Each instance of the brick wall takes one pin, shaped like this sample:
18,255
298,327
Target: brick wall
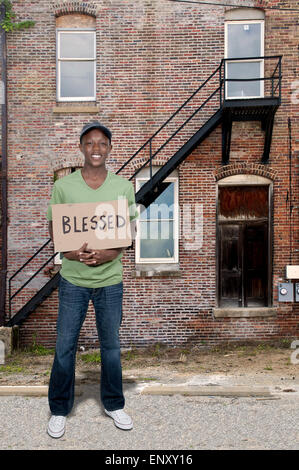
151,56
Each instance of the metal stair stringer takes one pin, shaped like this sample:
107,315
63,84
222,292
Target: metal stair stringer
150,190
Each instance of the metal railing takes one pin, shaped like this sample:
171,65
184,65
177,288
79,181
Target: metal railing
224,79
220,88
149,142
11,297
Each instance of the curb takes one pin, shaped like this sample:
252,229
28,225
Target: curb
237,391
28,390
186,390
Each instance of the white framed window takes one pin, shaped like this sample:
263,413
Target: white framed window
76,65
244,39
157,238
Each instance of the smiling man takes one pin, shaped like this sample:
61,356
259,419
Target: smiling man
88,274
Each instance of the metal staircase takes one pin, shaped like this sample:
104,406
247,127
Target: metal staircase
177,138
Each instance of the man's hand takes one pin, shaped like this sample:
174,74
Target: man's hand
83,254
92,257
102,256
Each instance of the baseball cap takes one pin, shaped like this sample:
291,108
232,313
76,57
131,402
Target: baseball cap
95,125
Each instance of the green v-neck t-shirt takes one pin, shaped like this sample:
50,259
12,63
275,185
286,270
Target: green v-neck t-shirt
73,189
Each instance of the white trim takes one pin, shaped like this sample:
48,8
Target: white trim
261,61
175,219
244,179
243,13
59,61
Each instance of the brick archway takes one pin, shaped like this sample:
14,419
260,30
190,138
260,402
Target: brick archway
73,6
244,168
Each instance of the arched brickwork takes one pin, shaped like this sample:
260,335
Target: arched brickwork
244,168
64,8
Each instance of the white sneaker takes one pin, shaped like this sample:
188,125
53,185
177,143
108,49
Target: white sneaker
121,419
56,426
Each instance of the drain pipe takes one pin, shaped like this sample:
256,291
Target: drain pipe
3,102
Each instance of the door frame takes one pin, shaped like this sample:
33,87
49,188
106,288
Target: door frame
247,180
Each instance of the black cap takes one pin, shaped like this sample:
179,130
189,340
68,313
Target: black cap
95,125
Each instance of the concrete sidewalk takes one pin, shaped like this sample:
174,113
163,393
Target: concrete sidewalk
174,421
262,385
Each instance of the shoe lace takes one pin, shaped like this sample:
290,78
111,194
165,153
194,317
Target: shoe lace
58,420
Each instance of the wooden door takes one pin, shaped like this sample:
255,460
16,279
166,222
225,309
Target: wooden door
255,264
243,246
230,265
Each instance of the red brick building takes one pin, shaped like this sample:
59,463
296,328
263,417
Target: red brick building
210,92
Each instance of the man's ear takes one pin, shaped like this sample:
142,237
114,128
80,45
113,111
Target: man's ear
80,147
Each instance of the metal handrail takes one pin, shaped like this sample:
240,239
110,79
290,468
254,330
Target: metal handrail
27,282
244,59
168,120
251,58
222,81
176,132
30,279
28,261
278,63
248,79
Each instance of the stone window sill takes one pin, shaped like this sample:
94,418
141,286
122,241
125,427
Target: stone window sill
246,312
70,109
157,270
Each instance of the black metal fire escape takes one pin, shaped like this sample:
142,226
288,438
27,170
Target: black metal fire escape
214,108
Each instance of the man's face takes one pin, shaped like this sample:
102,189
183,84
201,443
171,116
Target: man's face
95,148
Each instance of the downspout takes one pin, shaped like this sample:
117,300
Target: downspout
3,102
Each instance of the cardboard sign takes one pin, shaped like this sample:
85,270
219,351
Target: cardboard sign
101,224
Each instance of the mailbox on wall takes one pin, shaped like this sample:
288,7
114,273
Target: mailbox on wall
286,292
297,292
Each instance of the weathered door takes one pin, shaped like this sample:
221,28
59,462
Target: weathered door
243,251
255,264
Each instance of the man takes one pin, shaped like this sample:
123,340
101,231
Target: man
88,274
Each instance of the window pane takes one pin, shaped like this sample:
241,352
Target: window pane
167,197
244,40
163,206
243,70
76,79
243,202
156,240
77,46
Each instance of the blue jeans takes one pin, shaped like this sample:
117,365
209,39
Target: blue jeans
73,305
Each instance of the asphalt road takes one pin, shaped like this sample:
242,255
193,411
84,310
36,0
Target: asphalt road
160,422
